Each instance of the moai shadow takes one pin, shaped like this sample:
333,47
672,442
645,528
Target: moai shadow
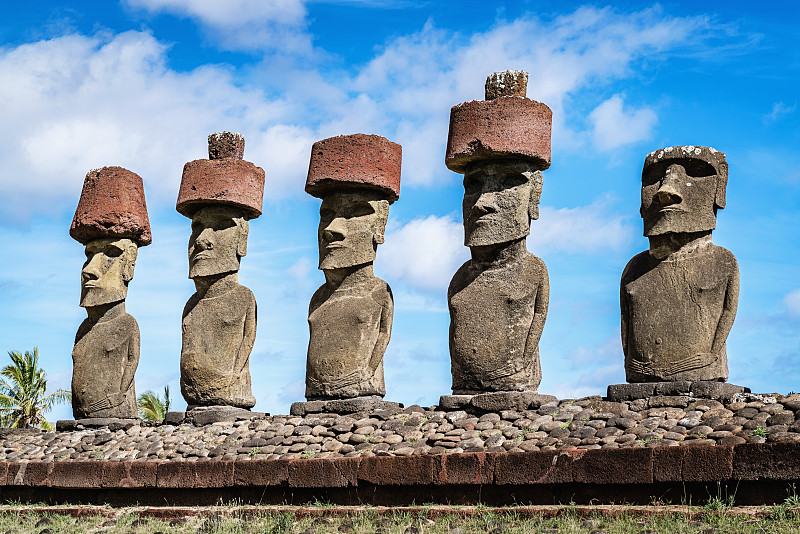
219,194
678,299
350,315
111,221
498,299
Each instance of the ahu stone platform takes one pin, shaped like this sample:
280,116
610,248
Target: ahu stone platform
579,450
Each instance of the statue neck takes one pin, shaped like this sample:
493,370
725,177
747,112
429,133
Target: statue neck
215,285
488,256
105,312
348,276
675,245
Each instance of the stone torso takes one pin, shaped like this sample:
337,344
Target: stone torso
671,313
350,329
102,354
218,335
491,315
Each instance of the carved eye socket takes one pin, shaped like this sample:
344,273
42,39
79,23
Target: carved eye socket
326,214
513,179
472,185
223,224
698,169
113,252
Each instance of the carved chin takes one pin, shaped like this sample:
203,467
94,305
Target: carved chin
91,297
491,234
210,268
345,257
678,222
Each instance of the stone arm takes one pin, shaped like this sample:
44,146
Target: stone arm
539,314
384,332
129,370
248,339
728,310
624,310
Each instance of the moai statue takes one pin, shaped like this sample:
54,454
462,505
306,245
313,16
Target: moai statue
220,195
678,299
111,221
350,315
498,299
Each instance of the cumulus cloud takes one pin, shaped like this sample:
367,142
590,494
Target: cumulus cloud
791,302
424,253
614,126
243,24
78,102
588,229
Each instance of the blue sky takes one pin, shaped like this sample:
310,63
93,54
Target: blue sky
141,83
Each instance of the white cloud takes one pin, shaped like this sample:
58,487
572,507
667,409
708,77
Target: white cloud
778,110
588,229
791,302
77,102
614,126
243,24
424,253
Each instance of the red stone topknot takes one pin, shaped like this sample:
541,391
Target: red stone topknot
224,178
355,161
112,205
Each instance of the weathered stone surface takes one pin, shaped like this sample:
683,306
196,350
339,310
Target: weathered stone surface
206,415
350,316
219,320
509,400
678,299
367,404
505,125
356,161
112,205
454,402
112,423
720,391
174,418
110,220
225,145
498,300
506,83
224,179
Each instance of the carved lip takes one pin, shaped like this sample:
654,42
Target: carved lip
91,284
202,255
334,244
667,209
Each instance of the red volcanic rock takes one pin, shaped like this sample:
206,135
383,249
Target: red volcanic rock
224,179
506,127
355,161
112,205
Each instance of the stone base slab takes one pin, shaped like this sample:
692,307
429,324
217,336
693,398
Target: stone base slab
496,401
720,391
343,406
207,415
112,423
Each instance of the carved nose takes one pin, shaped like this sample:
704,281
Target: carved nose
204,242
669,191
484,205
334,231
91,271
667,195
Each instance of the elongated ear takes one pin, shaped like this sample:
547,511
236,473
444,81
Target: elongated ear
244,229
722,185
381,208
537,180
129,261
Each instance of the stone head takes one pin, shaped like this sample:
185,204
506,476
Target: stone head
218,240
107,271
682,189
501,197
351,226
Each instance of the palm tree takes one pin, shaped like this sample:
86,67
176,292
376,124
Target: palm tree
152,407
23,385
